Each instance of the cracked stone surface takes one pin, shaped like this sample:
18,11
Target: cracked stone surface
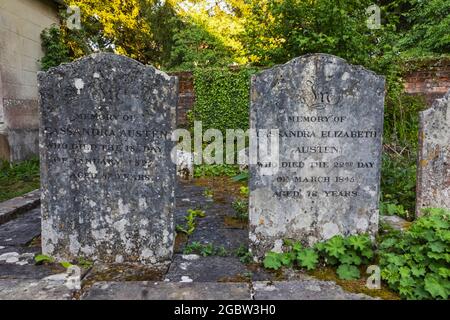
326,180
22,230
106,171
303,290
20,289
168,291
205,269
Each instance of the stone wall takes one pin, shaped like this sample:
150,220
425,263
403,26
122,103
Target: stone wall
430,79
21,23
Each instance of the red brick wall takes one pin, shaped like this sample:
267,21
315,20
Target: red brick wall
186,96
431,80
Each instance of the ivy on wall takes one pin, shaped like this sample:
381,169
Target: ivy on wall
222,98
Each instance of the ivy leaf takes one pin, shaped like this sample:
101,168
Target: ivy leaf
348,272
307,258
272,261
433,285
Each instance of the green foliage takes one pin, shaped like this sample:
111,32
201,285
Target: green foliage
205,250
390,209
208,193
401,125
244,255
19,178
416,263
278,31
194,47
347,254
222,98
85,264
241,209
244,191
307,258
42,258
66,264
55,50
398,185
191,222
348,272
241,177
215,170
424,27
273,261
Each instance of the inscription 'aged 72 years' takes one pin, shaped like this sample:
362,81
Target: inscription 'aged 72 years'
329,117
107,176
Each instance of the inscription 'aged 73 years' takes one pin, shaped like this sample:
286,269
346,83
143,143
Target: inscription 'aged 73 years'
107,176
329,117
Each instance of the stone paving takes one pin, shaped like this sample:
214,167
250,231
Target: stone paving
190,276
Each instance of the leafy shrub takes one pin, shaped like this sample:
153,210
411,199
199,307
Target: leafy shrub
55,50
390,209
244,255
222,98
215,170
244,191
398,185
417,262
427,27
205,250
241,209
19,178
191,221
347,254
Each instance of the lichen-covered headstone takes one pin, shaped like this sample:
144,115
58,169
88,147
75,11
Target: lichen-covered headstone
106,172
326,181
433,169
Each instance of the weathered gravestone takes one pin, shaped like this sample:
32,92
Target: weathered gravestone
326,181
107,175
433,174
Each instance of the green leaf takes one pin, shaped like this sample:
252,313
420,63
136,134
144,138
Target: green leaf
359,242
241,177
297,247
433,284
348,272
350,258
368,253
42,258
418,271
388,243
307,258
272,261
335,246
437,246
287,258
66,264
